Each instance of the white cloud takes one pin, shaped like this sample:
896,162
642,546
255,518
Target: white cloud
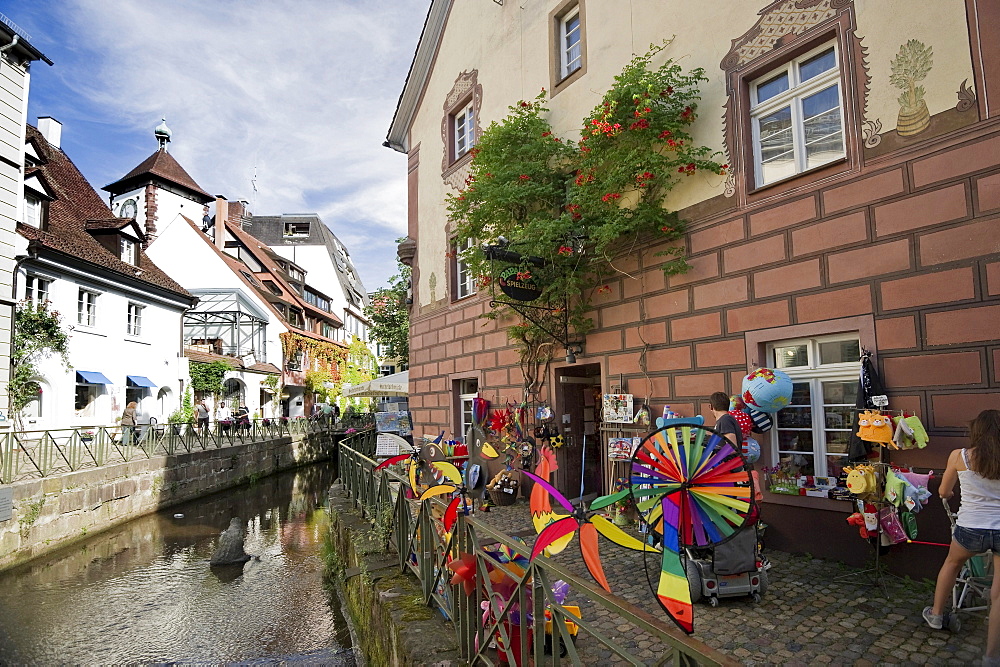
304,91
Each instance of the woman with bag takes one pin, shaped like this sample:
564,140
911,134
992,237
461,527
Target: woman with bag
977,528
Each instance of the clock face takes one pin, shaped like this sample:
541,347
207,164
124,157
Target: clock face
128,209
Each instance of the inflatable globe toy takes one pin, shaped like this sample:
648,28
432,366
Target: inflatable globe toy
767,390
751,450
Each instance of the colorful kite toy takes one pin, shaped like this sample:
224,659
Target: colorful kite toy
694,489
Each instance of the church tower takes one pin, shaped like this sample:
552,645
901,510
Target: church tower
158,190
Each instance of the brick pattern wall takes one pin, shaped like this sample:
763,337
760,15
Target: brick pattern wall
912,240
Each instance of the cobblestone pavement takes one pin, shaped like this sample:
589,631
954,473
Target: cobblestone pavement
814,611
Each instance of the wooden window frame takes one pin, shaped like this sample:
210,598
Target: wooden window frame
558,81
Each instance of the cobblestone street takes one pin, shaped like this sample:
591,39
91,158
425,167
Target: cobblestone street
814,611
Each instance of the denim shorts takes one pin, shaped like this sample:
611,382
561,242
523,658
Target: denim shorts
978,540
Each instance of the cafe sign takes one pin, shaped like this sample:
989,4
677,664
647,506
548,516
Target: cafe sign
515,284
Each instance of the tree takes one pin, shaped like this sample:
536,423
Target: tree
38,333
390,317
567,210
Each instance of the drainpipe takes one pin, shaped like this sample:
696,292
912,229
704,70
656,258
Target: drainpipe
13,43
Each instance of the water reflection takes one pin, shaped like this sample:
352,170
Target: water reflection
144,592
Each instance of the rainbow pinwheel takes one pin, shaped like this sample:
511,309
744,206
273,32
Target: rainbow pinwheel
693,487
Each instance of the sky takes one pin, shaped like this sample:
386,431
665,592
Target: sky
299,92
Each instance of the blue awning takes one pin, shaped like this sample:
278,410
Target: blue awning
139,381
92,377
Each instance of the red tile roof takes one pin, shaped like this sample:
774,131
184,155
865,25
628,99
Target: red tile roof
75,206
162,165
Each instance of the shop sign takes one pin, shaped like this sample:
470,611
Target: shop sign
517,286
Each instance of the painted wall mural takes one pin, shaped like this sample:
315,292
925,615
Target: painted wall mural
911,65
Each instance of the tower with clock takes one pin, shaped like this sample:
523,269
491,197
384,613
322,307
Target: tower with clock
158,190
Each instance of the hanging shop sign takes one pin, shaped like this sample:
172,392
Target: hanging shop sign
518,284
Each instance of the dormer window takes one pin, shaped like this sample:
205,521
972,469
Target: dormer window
128,251
33,211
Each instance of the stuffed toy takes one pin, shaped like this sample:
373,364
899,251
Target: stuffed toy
858,520
873,426
916,479
895,488
903,435
919,434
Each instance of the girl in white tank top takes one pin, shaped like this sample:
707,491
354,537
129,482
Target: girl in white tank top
977,529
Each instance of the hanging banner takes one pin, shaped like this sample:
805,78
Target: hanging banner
518,284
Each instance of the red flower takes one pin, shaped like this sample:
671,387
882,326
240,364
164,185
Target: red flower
665,134
604,289
611,196
565,250
523,275
524,177
545,134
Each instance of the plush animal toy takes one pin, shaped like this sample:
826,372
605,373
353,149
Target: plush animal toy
858,520
873,426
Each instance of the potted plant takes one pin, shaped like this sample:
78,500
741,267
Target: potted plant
86,435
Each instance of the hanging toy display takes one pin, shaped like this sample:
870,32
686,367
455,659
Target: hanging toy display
767,390
873,426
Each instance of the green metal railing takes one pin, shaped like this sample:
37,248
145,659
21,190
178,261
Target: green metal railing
512,619
43,453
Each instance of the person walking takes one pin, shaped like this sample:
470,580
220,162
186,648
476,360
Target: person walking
977,528
202,413
128,423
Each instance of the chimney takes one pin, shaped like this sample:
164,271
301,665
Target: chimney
221,214
51,129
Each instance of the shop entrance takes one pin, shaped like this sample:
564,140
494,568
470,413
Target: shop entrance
578,414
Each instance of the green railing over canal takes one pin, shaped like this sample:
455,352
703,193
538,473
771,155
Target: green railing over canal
43,453
491,614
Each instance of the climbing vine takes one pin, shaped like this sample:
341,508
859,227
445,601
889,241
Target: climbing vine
38,333
568,209
321,355
207,377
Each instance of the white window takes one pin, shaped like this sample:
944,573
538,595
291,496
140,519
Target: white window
465,130
36,289
468,390
86,308
797,117
570,43
465,281
128,250
32,211
134,326
812,434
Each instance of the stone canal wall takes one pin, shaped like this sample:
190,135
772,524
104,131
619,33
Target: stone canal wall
54,511
390,623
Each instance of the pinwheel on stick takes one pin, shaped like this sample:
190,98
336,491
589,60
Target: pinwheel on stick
694,489
555,531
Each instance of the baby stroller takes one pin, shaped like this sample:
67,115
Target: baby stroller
972,586
731,569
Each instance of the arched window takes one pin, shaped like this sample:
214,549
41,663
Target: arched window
233,392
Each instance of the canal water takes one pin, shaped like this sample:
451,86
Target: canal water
144,592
